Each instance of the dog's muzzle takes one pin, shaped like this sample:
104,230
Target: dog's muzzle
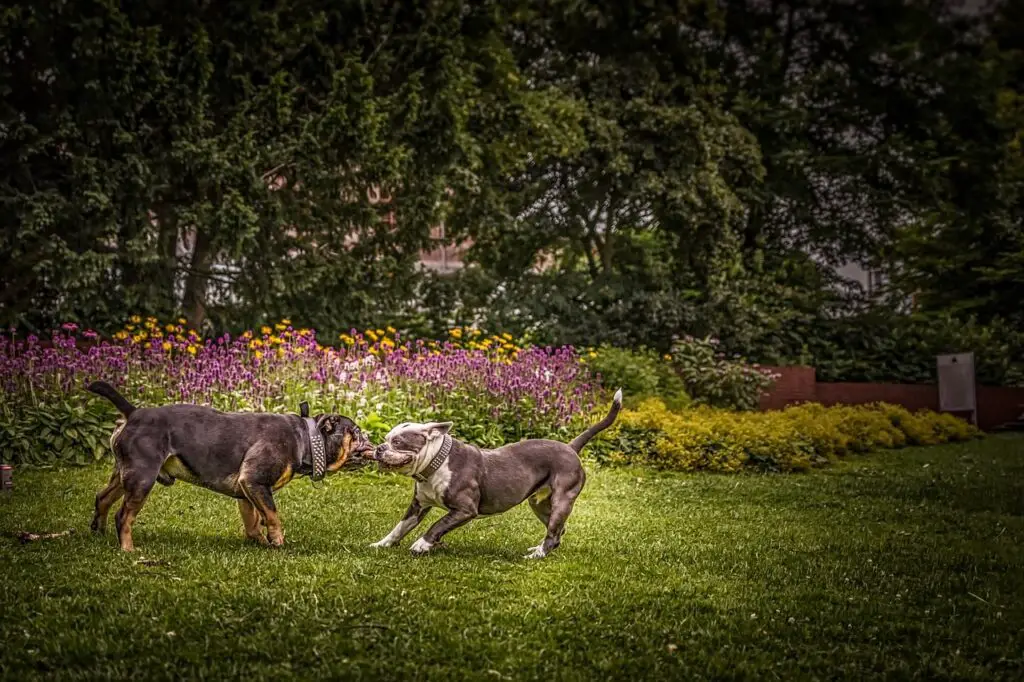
387,458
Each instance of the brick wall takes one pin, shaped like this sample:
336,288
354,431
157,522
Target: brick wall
796,384
911,396
998,405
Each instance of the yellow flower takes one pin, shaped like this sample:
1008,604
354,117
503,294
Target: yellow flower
167,345
392,330
280,327
247,334
457,333
667,356
280,352
135,319
265,330
182,320
169,327
591,354
507,336
286,321
380,332
129,327
191,349
255,343
372,335
259,354
387,342
121,335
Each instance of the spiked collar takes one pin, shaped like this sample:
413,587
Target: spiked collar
437,461
316,448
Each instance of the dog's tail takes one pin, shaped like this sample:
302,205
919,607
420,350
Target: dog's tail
107,391
581,440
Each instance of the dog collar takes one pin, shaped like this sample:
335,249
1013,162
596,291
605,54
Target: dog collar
437,461
316,443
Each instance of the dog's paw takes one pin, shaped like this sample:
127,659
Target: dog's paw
421,547
384,542
536,553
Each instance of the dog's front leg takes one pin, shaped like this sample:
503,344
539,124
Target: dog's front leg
413,516
450,521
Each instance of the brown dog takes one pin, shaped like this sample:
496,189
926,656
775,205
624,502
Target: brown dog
244,455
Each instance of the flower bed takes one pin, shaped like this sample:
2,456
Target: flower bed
493,388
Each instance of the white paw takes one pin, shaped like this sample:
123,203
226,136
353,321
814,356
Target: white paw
384,542
536,553
421,546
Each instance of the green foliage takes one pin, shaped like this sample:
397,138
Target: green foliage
641,374
885,345
65,431
711,378
223,161
794,439
627,172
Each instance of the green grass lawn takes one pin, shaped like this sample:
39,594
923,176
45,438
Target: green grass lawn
904,564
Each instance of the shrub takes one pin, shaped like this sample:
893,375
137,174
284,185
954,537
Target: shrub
793,439
641,374
57,430
710,378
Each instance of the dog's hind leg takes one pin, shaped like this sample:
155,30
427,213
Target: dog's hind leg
559,505
540,505
136,489
251,521
105,499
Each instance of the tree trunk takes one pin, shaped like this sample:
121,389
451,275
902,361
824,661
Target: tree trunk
168,251
194,301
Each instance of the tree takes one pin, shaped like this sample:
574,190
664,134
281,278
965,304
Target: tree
655,182
216,158
964,255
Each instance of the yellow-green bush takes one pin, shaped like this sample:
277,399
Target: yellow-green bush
793,439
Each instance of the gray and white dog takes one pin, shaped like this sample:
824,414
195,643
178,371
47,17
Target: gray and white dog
469,482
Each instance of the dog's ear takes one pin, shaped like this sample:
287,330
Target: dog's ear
438,429
326,422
